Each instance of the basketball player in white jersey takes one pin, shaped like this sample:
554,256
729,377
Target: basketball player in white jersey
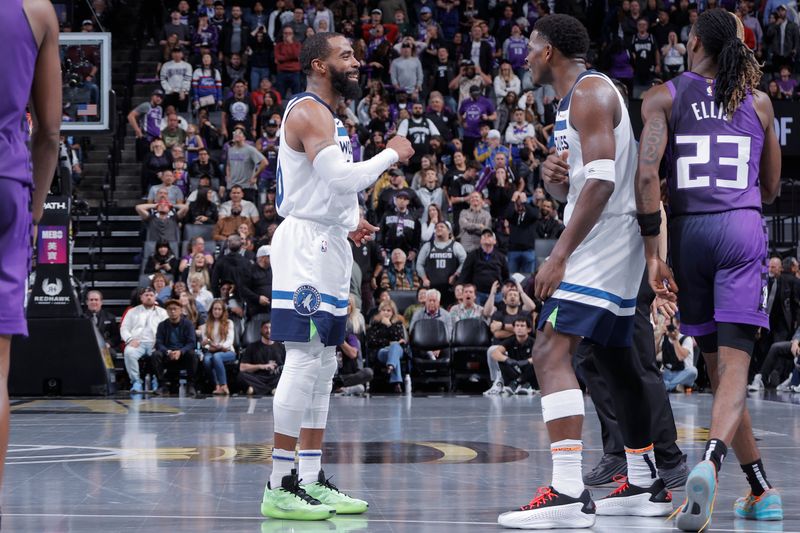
317,186
589,286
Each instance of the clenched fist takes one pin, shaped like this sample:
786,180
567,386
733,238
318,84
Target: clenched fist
402,146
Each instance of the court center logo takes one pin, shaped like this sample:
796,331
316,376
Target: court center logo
52,288
306,300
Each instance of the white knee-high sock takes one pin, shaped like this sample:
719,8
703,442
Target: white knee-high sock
567,477
282,465
641,466
310,465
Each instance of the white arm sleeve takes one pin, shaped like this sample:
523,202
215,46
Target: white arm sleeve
344,177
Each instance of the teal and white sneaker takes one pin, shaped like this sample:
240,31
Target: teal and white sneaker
768,506
327,493
701,491
291,502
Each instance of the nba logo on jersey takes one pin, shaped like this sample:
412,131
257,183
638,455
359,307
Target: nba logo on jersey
306,300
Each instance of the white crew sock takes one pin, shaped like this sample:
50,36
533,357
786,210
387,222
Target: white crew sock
282,465
567,477
641,466
310,465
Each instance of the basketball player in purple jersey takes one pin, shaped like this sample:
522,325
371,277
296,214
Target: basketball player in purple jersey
724,161
31,73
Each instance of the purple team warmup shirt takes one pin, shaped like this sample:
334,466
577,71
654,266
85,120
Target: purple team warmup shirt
473,109
517,51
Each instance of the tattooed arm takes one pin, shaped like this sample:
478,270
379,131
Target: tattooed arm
656,108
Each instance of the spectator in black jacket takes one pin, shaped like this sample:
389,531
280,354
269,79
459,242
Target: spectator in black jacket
483,49
521,217
163,260
203,210
548,226
236,23
230,267
155,161
261,364
783,309
400,228
397,183
103,320
257,290
269,216
204,166
485,266
175,348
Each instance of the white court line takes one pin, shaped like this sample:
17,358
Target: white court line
252,406
664,527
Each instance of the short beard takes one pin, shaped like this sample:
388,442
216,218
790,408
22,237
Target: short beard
350,90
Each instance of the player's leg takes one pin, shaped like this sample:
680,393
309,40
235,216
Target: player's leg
763,502
495,376
739,310
694,242
315,419
565,503
284,498
643,493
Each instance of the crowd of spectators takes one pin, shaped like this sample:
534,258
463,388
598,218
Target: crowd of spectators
463,218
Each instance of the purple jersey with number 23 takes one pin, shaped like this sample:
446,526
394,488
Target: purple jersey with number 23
713,160
718,242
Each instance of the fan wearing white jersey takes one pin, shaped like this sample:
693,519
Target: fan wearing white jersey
588,285
317,193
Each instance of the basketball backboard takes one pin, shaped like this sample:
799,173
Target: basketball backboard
86,82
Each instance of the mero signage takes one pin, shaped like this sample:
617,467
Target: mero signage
52,294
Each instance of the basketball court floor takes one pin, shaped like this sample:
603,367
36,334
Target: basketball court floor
425,463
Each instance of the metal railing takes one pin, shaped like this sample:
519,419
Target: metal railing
783,219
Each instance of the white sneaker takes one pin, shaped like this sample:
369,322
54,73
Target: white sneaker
510,391
795,388
497,388
785,386
353,390
552,510
757,384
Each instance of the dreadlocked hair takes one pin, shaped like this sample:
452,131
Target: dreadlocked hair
738,72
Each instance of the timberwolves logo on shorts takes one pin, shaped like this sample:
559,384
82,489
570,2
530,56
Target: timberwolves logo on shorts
306,300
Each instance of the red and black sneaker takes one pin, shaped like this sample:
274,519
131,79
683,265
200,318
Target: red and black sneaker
630,500
552,510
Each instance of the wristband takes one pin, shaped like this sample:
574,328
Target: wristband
649,224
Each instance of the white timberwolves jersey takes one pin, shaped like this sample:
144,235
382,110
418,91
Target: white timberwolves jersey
302,192
622,200
597,297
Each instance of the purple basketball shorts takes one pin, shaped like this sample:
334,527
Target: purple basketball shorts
720,264
15,255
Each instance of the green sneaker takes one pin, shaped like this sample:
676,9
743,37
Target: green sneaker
326,492
291,502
